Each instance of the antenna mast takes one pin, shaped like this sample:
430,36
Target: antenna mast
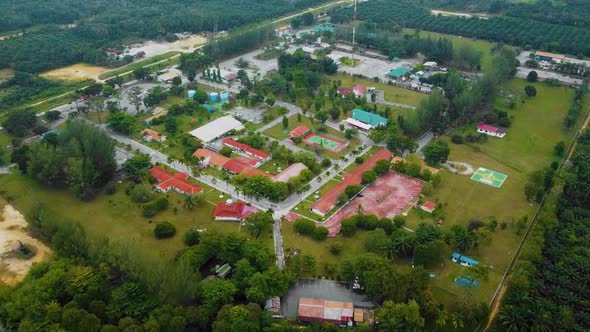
354,32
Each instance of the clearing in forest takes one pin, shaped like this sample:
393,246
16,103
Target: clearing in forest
75,72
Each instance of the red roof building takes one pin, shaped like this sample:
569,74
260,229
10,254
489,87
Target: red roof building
300,131
490,130
428,206
330,198
235,166
344,91
251,171
247,149
358,90
177,182
233,211
318,310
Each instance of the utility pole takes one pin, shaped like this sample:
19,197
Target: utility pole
354,32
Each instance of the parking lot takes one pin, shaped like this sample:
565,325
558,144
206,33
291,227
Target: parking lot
370,67
323,289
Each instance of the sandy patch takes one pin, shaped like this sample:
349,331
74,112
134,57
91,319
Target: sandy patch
13,228
6,73
75,72
152,48
447,13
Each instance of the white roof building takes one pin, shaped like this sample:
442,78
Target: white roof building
358,124
217,128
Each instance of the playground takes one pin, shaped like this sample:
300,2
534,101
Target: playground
387,197
331,144
489,177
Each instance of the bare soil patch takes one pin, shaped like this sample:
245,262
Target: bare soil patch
13,228
75,72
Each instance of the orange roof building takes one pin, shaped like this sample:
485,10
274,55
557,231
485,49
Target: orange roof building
428,206
330,198
211,158
151,135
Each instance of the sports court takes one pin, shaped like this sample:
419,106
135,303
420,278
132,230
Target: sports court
387,197
329,143
489,177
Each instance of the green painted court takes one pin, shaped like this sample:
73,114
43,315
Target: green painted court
326,142
489,177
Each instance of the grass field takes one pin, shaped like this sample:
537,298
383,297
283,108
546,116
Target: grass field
392,93
143,63
115,216
484,46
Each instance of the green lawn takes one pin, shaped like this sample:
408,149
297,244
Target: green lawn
392,93
114,216
321,249
484,46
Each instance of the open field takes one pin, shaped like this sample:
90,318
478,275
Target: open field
484,46
321,249
114,216
6,73
75,72
392,93
153,48
171,57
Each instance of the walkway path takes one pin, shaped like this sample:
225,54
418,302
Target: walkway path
381,100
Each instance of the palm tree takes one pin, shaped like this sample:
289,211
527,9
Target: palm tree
192,201
389,250
404,244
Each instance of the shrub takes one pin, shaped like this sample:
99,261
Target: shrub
226,151
530,91
191,237
457,139
504,122
399,221
336,247
559,149
348,227
532,76
164,230
369,177
326,163
359,160
320,233
152,208
304,226
141,193
352,190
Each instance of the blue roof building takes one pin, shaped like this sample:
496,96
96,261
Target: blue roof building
210,108
463,260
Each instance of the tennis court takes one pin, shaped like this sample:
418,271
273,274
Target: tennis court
489,177
326,142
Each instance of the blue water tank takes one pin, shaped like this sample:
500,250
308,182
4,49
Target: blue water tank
214,96
224,96
191,93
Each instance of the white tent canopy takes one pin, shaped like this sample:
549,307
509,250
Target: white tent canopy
217,128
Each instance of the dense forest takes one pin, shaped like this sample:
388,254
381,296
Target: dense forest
104,24
521,31
549,289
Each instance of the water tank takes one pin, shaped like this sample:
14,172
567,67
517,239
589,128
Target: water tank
191,93
214,96
229,202
224,96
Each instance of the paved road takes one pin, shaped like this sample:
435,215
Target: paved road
423,141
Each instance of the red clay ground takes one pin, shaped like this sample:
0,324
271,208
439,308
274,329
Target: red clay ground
389,196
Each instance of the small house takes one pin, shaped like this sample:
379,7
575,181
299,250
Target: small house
428,206
358,90
343,92
463,260
430,65
150,135
491,130
299,132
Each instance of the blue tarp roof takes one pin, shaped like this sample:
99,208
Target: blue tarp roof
465,259
209,108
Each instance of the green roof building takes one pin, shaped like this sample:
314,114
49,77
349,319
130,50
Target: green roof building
398,72
373,119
